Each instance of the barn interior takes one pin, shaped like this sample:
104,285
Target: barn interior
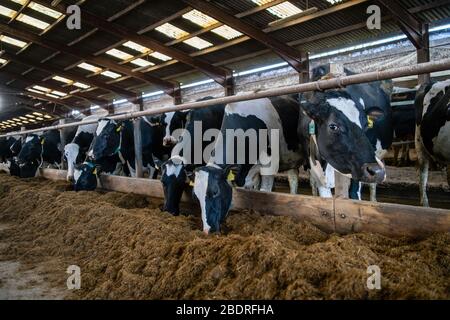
124,55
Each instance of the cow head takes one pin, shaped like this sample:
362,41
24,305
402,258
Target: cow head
24,170
341,140
32,149
72,155
172,121
107,140
85,177
174,179
214,193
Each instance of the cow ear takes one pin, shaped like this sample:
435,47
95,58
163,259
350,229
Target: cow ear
312,110
77,166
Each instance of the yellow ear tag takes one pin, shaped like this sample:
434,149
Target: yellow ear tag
95,171
42,142
231,176
118,129
191,183
370,122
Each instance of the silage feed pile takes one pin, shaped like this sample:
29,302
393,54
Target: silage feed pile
128,249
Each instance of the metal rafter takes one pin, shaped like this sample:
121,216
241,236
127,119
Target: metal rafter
80,95
219,75
71,75
294,57
79,54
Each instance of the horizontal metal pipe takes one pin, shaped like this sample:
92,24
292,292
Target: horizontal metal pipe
339,82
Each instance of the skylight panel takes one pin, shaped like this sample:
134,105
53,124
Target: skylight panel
160,56
7,12
59,93
63,80
334,1
32,21
44,10
111,74
135,46
89,67
37,114
52,96
198,43
227,32
282,10
171,31
30,116
34,91
142,63
199,18
22,2
14,42
119,54
3,61
43,89
81,85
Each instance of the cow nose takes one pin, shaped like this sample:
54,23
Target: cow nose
373,173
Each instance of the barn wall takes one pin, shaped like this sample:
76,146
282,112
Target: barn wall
398,54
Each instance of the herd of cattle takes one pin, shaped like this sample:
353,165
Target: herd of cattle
344,132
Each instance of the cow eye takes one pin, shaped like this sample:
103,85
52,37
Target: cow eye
333,127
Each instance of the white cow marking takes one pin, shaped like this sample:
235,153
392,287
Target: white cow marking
28,139
167,121
200,188
348,108
437,88
101,126
71,152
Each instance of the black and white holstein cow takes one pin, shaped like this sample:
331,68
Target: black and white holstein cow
373,100
338,130
432,130
176,171
43,149
76,151
9,148
171,121
113,147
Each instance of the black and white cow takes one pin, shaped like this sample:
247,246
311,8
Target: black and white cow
6,148
432,130
45,148
179,167
171,121
76,151
374,98
118,138
339,132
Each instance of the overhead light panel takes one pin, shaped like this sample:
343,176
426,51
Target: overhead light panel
119,54
81,85
34,91
59,93
135,46
44,10
89,67
142,63
63,80
282,10
198,43
52,96
14,42
227,32
111,74
32,21
171,31
199,18
43,89
160,56
4,11
3,61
